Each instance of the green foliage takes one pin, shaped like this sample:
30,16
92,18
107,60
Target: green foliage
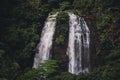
60,39
44,71
2,52
108,72
49,67
53,3
104,22
22,21
19,36
86,4
3,79
67,76
62,27
114,55
65,5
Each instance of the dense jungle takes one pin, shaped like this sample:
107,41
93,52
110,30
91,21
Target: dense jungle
21,24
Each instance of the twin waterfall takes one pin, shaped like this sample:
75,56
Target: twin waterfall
45,44
78,45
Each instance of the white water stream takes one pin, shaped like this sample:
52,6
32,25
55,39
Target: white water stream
78,45
45,44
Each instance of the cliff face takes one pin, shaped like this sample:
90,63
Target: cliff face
60,42
94,41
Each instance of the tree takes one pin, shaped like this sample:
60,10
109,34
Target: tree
47,69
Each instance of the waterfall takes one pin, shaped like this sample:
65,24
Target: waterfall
78,45
45,43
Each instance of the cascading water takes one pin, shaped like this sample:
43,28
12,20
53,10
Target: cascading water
78,45
45,44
